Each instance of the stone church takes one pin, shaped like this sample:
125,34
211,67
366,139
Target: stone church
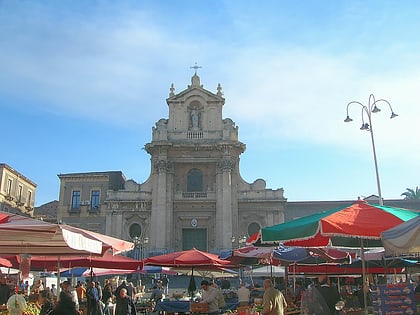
194,196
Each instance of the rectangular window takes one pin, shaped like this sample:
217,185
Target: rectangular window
28,202
9,187
75,199
94,199
20,192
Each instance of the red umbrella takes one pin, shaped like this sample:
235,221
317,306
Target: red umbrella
193,259
107,261
358,225
189,258
5,262
343,227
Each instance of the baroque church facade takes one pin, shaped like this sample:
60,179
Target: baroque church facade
194,196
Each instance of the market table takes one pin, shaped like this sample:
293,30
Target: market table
173,306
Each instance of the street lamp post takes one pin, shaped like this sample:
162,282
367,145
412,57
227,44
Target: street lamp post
139,243
240,240
368,110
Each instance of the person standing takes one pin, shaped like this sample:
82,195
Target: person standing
243,295
92,296
107,296
81,292
65,305
5,291
54,290
67,288
125,304
210,297
46,300
274,302
329,293
165,284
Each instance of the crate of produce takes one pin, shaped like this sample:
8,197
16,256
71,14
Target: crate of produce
199,308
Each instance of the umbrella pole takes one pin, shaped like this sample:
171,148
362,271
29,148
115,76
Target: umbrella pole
365,286
58,277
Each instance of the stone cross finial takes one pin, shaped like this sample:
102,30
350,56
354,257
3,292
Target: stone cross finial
195,67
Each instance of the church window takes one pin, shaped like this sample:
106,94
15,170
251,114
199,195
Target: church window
253,228
134,230
194,180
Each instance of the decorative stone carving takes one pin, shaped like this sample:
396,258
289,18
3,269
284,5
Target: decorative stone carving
219,90
162,166
225,165
172,90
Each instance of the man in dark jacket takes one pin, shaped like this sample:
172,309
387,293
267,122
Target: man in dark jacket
125,304
328,292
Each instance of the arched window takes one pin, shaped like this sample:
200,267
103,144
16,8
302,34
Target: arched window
194,180
134,230
253,228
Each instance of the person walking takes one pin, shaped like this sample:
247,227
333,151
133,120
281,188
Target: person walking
274,302
125,304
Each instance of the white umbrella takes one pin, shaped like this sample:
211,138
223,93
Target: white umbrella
404,238
23,235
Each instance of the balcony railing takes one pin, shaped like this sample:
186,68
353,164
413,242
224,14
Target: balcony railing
195,195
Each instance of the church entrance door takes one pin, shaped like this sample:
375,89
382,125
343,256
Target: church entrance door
194,238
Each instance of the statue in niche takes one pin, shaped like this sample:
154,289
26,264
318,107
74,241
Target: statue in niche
195,116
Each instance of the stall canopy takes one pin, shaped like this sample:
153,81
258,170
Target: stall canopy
283,255
358,225
343,227
24,235
108,261
404,238
192,258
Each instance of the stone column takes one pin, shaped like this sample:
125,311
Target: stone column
159,223
224,203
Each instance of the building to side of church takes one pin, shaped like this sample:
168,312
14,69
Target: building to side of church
17,192
194,196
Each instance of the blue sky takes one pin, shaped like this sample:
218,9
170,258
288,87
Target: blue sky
83,82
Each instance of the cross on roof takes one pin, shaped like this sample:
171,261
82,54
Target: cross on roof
195,67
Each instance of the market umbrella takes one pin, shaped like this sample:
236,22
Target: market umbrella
24,235
284,255
5,262
189,258
193,259
107,261
404,238
358,225
341,227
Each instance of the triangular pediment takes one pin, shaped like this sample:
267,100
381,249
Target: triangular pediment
195,89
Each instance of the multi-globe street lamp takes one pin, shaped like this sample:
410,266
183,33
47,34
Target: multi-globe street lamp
139,244
368,110
240,240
